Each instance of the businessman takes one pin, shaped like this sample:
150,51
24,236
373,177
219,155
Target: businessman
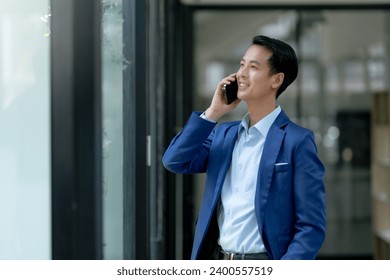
264,196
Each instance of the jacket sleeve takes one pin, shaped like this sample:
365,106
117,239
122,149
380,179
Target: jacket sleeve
309,201
189,149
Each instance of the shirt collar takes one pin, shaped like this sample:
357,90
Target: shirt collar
263,125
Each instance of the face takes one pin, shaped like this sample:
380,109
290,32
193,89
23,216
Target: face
254,78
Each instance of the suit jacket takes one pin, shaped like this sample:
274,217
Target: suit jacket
290,193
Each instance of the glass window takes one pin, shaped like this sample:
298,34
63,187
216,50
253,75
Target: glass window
25,130
112,67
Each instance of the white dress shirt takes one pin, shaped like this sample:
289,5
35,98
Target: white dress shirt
237,222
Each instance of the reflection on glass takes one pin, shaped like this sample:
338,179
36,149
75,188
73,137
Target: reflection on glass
112,65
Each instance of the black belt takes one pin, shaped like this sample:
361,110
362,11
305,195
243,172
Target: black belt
237,256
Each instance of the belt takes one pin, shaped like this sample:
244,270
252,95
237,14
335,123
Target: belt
238,256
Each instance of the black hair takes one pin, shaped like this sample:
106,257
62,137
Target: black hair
283,59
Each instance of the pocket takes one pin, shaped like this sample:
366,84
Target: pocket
280,167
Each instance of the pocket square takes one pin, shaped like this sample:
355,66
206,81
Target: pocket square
281,163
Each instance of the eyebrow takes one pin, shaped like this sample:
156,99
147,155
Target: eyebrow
252,61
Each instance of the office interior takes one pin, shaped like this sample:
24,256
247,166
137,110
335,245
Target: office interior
92,92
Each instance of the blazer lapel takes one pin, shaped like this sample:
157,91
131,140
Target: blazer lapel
271,150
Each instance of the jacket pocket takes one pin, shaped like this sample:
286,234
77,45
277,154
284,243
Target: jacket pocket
282,166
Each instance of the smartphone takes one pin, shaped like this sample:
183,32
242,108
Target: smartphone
230,92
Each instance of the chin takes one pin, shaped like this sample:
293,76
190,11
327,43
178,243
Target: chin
241,96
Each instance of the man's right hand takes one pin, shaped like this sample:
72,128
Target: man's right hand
218,107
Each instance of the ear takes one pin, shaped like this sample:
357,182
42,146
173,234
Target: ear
277,80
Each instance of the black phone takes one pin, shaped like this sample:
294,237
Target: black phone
230,92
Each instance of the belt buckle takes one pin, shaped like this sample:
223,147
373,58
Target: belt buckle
231,256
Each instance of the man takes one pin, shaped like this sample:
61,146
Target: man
264,196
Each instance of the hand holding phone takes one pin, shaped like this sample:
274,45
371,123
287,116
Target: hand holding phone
230,92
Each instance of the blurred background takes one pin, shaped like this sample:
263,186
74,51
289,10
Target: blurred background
91,94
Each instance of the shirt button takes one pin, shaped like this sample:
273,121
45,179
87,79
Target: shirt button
240,166
236,190
228,212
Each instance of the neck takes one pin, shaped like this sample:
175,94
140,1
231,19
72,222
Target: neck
259,110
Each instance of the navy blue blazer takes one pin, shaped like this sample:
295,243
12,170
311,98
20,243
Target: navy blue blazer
290,193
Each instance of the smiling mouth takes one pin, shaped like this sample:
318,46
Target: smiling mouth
243,85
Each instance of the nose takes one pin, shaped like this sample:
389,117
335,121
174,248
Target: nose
242,72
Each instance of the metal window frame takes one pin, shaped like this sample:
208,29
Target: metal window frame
76,138
135,186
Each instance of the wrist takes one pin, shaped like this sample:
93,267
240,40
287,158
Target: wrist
212,115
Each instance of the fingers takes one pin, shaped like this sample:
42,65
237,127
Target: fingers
229,79
226,81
